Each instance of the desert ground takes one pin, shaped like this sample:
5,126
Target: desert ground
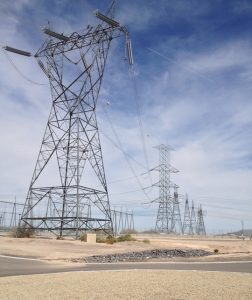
130,284
66,250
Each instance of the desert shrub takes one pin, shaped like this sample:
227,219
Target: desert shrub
110,240
83,238
125,238
23,232
129,231
146,241
216,251
13,233
100,240
150,231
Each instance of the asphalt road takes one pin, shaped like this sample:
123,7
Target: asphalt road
10,266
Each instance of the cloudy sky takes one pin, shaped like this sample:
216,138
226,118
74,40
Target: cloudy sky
192,90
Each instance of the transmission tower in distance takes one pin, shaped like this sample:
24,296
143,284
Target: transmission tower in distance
176,226
200,223
165,200
187,218
193,221
71,150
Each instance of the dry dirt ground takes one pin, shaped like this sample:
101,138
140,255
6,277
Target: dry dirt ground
128,285
53,249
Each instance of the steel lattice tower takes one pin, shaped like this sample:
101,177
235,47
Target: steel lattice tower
165,200
187,218
193,221
200,228
176,225
74,65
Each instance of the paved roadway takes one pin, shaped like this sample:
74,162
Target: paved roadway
10,266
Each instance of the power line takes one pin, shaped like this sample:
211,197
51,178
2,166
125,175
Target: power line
140,121
19,72
119,145
120,148
128,192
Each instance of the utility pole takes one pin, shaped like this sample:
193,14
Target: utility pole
74,65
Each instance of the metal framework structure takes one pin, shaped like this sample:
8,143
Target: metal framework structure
176,224
193,221
166,199
187,218
57,199
123,221
200,228
10,213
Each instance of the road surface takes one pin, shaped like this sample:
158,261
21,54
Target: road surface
11,266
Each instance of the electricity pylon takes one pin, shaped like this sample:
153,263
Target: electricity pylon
200,229
187,218
193,221
176,225
74,65
165,200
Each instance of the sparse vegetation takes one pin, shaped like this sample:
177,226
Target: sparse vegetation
150,231
146,241
216,251
23,232
111,240
128,231
125,238
106,240
83,238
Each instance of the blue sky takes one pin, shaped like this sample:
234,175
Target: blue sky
193,73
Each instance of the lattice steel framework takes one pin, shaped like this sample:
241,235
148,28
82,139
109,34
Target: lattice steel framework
165,200
193,221
200,228
187,218
74,65
176,224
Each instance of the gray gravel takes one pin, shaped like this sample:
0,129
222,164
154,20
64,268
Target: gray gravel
146,255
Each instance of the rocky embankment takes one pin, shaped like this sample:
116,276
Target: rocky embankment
146,255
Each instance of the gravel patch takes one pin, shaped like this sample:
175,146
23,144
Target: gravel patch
128,285
146,255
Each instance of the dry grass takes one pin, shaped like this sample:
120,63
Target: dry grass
129,285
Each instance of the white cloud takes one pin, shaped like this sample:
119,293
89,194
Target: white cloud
207,121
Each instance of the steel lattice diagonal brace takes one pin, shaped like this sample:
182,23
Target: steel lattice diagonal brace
60,198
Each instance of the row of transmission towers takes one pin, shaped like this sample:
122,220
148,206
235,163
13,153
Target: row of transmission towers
169,217
193,222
